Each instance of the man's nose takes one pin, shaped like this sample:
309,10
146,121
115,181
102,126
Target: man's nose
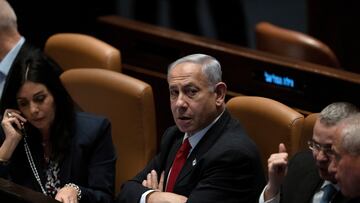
181,100
332,166
322,156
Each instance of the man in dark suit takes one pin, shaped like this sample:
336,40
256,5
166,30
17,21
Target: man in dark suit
223,164
345,159
307,178
11,43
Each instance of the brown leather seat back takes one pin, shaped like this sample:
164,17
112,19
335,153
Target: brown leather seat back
71,50
129,104
285,42
268,123
307,132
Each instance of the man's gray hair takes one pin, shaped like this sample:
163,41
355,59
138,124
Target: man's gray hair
8,18
335,112
210,66
350,131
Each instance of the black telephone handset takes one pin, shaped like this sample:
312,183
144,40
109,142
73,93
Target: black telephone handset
22,130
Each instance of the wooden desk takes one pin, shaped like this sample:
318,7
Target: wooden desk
147,50
13,193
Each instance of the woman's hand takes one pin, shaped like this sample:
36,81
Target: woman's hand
67,194
11,123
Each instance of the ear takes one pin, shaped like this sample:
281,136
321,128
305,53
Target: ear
220,91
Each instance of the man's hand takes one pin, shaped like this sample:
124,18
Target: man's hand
159,196
152,181
277,168
165,197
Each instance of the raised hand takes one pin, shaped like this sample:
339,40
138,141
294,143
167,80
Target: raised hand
277,168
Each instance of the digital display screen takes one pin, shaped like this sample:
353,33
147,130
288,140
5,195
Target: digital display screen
278,79
281,80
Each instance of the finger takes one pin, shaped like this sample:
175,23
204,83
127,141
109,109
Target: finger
161,182
144,183
278,166
154,179
17,114
11,112
16,122
59,198
282,148
148,179
278,157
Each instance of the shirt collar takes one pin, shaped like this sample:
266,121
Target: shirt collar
326,182
9,58
195,138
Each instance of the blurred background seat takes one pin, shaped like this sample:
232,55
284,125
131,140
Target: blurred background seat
308,128
129,104
285,42
71,50
268,123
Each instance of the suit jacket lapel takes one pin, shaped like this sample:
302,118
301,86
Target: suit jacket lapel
65,167
204,145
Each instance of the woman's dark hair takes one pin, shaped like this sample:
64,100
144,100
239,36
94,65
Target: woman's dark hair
33,65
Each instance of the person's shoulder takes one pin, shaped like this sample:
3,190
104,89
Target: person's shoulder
90,122
303,156
85,116
303,161
234,140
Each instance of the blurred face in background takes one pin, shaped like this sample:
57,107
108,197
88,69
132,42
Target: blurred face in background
323,137
346,167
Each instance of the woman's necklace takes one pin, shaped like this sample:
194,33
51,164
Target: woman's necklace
46,151
32,165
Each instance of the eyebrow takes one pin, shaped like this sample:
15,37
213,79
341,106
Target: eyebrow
323,145
36,94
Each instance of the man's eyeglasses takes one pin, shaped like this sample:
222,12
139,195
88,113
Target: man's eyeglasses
316,147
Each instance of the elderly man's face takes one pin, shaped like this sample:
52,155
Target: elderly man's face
346,168
323,136
193,104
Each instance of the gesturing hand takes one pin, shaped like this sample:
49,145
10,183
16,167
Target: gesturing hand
277,168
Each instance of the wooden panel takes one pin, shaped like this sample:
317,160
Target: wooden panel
11,192
305,86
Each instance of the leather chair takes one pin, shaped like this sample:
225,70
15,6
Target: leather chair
71,50
289,43
268,123
308,128
128,103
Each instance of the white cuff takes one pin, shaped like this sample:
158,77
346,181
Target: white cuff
275,199
143,196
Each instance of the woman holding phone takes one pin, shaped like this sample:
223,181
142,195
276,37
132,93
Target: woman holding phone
48,146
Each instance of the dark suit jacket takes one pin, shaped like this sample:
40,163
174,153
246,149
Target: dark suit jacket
90,163
227,169
303,180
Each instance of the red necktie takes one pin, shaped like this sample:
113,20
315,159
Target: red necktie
178,163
